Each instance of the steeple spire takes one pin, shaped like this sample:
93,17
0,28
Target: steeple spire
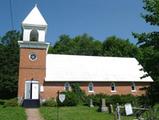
34,18
34,26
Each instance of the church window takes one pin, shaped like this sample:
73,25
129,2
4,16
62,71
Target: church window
113,87
66,86
133,87
90,87
34,35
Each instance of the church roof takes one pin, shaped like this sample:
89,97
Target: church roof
34,18
93,68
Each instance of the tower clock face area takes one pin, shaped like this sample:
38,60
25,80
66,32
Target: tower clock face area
33,56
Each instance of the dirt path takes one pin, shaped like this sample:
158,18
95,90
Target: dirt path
33,114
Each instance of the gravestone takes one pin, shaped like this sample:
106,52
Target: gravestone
111,108
104,108
91,103
128,109
118,111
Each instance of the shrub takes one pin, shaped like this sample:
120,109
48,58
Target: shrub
11,103
2,102
152,113
81,96
49,103
70,100
96,98
113,99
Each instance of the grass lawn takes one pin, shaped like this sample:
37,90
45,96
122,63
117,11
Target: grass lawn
76,113
12,113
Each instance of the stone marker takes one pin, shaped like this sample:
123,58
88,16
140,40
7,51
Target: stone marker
118,111
91,103
111,108
104,108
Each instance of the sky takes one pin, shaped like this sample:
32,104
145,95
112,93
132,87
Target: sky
98,18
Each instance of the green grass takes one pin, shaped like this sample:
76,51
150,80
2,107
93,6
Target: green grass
76,113
12,113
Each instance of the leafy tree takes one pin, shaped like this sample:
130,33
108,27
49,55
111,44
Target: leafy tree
9,62
118,47
63,46
79,45
149,44
150,41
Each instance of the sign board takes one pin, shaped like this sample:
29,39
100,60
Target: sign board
41,88
62,97
128,109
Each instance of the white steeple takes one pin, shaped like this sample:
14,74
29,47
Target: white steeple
34,18
34,26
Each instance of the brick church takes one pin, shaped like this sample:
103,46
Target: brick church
41,74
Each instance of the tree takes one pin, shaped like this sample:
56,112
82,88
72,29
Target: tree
79,45
150,41
118,47
149,44
9,62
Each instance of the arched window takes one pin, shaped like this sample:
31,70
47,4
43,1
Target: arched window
90,87
113,87
34,35
67,86
133,87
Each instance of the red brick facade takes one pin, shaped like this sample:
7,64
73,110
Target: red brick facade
51,88
31,70
35,70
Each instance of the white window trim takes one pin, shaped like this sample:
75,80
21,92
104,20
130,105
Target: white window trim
92,87
114,87
133,84
66,83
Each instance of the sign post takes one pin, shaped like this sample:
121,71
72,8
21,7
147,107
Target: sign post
61,97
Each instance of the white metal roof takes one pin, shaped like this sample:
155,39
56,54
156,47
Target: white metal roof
93,68
34,18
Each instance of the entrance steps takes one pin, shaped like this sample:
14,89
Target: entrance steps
30,103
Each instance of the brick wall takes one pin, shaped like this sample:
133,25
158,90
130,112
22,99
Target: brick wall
51,88
36,70
31,69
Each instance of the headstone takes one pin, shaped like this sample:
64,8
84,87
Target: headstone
118,111
91,103
128,109
111,108
104,108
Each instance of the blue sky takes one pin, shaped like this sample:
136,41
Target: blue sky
99,18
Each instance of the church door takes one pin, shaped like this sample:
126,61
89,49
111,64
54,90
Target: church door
31,90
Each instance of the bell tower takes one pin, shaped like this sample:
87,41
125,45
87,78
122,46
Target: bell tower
33,51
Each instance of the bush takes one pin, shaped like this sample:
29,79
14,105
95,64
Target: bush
70,100
81,96
50,103
2,102
113,99
11,103
96,99
152,113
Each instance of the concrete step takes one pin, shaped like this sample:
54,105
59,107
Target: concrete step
30,103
